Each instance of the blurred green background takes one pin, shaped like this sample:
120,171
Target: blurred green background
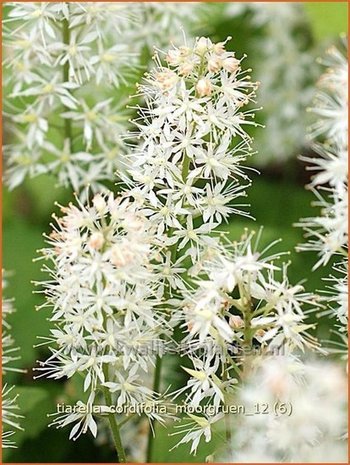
277,197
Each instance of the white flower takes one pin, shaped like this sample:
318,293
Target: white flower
81,415
331,167
48,90
314,391
171,273
186,140
195,429
247,287
216,203
97,121
112,64
58,53
192,132
8,401
327,233
9,417
129,391
339,293
35,123
192,235
203,383
77,54
331,101
105,293
285,66
39,16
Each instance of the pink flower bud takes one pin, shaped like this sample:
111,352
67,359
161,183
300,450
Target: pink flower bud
236,322
203,45
214,64
99,202
186,68
231,64
96,240
204,87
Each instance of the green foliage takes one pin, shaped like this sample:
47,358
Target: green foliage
167,438
327,19
22,240
32,401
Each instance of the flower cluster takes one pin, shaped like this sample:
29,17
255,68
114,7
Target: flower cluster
61,114
165,22
309,422
193,134
104,292
245,296
337,294
10,418
285,66
243,304
128,271
187,169
115,263
327,233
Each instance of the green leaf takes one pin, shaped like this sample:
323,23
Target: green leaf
21,241
34,404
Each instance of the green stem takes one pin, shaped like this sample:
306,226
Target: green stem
114,428
185,167
156,386
67,121
158,368
227,417
247,330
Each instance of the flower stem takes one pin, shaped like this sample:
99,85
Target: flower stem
185,168
67,121
227,417
156,386
115,429
158,367
248,333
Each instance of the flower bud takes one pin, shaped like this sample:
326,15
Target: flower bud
214,64
121,255
186,68
204,87
166,79
202,46
219,48
96,240
185,51
260,332
231,64
190,326
99,203
236,322
173,57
